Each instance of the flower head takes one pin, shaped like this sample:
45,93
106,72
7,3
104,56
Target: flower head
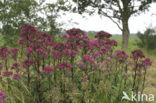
27,63
2,94
120,55
14,52
15,65
29,50
16,76
88,58
147,62
4,51
136,54
64,65
2,97
7,73
102,35
75,31
48,70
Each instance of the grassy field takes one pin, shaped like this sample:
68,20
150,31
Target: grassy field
151,75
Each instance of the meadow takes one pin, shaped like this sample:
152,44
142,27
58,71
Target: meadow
151,74
74,69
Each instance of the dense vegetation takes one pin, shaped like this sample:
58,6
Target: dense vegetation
147,39
71,68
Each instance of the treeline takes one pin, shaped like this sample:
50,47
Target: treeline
14,13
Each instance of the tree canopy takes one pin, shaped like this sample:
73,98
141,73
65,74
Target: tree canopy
119,11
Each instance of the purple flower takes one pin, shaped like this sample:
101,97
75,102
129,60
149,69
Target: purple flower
2,94
1,66
102,35
75,31
103,65
14,52
147,62
2,97
136,54
42,51
4,51
112,42
64,65
15,66
94,42
57,55
81,64
28,31
7,73
27,63
46,39
16,76
121,56
65,36
68,52
48,70
88,58
29,50
21,42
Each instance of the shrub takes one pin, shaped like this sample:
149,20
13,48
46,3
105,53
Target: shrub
74,69
147,39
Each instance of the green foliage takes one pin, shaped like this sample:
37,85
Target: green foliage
147,39
14,13
118,11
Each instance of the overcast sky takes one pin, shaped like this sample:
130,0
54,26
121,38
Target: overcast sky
96,23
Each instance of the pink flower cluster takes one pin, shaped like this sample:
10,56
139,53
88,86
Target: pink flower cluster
88,58
14,52
48,70
4,51
15,66
27,63
64,65
136,54
2,97
28,33
147,62
75,31
7,73
102,35
121,56
16,76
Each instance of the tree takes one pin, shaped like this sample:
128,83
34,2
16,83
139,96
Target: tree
14,13
119,11
52,13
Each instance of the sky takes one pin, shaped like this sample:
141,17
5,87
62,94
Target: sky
97,23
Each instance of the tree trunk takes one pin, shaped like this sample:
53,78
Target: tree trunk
125,34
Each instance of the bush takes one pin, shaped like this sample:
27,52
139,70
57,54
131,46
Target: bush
147,39
73,69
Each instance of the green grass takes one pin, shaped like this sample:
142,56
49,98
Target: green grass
1,40
151,74
132,44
